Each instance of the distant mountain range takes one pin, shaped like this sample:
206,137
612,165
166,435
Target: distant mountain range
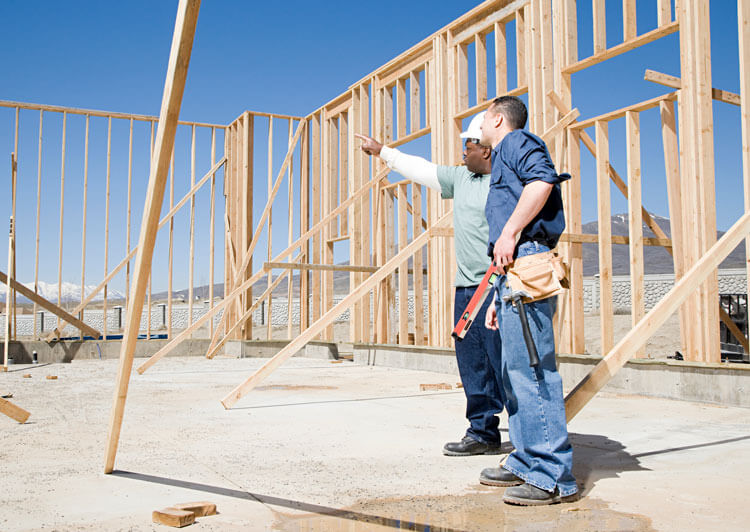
657,260
70,292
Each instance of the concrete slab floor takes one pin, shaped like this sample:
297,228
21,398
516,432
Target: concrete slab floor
322,446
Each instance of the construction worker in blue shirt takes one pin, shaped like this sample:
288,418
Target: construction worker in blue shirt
525,215
467,185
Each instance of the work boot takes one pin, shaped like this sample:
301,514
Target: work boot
469,446
528,495
498,476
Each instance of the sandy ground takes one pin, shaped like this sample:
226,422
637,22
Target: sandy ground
323,446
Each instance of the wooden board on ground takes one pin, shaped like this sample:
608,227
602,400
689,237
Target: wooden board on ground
13,411
200,509
173,517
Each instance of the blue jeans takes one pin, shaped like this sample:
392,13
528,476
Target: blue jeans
475,355
534,396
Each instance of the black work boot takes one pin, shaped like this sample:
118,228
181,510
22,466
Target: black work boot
528,495
498,476
469,446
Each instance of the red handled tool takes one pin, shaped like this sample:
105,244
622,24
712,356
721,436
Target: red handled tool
467,318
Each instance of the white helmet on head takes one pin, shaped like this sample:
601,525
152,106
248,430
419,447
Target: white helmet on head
474,130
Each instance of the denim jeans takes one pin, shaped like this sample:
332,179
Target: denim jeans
543,456
475,355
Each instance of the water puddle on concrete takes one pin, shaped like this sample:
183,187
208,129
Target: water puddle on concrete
290,387
475,512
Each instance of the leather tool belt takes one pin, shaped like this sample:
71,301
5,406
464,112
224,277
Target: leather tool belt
540,275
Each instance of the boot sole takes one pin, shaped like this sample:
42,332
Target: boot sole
532,502
459,453
501,483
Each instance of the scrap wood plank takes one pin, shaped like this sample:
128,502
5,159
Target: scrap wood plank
655,318
13,411
54,309
200,509
173,517
311,332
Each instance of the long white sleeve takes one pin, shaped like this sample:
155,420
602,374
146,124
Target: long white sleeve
411,167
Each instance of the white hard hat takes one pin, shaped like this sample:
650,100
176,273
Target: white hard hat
474,131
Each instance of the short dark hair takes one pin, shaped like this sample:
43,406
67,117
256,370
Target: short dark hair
512,108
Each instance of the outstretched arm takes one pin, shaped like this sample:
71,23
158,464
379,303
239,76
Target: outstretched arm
411,167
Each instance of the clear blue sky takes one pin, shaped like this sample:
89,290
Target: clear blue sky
287,58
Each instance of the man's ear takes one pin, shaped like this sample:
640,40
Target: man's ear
487,152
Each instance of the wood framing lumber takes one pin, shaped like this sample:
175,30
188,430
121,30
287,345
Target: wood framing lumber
303,239
502,15
200,509
51,307
8,286
676,83
387,269
14,412
173,517
619,113
609,53
655,318
184,334
164,221
213,349
561,124
321,267
614,176
179,60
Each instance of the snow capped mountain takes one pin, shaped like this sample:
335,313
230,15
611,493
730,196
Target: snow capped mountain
70,292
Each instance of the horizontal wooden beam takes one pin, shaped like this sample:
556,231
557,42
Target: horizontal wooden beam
411,136
676,83
12,411
619,113
48,305
487,22
340,238
319,267
646,38
95,112
518,91
587,238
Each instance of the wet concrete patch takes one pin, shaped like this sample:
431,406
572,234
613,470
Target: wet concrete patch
479,511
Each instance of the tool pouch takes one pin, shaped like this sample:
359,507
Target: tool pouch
540,275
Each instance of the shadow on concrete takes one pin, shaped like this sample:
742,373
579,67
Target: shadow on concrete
597,457
355,400
286,503
689,447
33,366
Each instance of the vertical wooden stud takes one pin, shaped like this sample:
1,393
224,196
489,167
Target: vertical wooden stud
629,26
84,208
521,49
600,25
269,255
501,59
62,205
635,220
403,273
212,231
106,226
191,263
605,237
38,218
480,60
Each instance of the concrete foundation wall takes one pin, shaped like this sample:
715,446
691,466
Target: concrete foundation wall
726,384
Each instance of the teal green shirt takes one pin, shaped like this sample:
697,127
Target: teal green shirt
469,193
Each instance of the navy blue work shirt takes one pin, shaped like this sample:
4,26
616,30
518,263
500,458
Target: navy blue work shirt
519,159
